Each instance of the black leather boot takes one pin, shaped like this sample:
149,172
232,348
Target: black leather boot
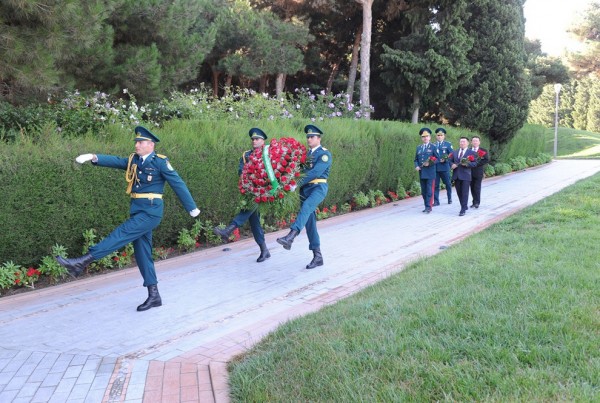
264,253
153,299
76,265
317,259
224,233
287,240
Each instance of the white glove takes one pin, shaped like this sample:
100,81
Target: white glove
84,158
293,188
195,212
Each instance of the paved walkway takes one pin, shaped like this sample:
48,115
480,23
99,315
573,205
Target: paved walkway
84,341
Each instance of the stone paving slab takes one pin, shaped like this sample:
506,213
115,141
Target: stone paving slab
84,340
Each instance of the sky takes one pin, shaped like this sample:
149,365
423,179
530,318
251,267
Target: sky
548,21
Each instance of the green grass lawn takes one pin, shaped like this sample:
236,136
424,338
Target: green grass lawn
509,314
574,143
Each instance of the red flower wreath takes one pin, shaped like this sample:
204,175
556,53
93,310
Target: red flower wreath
258,185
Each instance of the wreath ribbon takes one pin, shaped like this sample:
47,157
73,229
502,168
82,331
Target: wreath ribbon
269,169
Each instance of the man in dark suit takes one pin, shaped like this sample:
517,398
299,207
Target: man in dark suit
442,168
462,161
478,173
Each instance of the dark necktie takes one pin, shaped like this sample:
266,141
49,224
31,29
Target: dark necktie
460,154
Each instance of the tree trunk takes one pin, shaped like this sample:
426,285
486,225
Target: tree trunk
215,80
332,76
228,80
415,113
365,56
279,85
353,65
262,84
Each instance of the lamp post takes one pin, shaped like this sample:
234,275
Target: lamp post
557,88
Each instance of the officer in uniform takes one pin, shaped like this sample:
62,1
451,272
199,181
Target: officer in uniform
313,189
426,167
146,173
258,138
442,168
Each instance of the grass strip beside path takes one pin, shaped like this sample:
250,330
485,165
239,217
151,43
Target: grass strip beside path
509,314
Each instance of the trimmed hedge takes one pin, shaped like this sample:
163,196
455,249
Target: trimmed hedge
48,199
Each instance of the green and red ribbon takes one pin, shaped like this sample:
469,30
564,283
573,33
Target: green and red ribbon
269,169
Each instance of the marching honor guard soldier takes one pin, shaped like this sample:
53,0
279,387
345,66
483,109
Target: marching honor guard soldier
442,168
426,158
258,138
146,173
313,189
478,172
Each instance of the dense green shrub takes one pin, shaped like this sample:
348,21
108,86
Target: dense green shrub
529,141
518,163
544,158
502,168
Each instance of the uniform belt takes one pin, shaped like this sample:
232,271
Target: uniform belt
318,181
146,196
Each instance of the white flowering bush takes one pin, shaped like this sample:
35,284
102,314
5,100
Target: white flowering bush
322,106
76,113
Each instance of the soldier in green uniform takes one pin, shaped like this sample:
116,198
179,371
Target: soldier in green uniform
426,158
258,138
146,173
313,189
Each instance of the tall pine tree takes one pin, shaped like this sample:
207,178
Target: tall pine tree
496,100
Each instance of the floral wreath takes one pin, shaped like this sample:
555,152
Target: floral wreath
270,175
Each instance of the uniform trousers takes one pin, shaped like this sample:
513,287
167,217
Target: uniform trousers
137,229
253,216
311,196
427,192
442,176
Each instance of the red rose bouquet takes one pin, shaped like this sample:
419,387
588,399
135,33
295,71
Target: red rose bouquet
270,175
465,160
480,154
430,161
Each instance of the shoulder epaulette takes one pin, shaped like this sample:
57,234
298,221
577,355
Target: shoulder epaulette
324,149
164,157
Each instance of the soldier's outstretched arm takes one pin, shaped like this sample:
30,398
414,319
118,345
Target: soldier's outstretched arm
83,158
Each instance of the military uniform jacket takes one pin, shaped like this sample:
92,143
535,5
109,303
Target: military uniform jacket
443,148
150,178
317,166
478,171
424,151
244,160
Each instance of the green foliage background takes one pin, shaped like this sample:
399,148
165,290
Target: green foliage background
49,199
